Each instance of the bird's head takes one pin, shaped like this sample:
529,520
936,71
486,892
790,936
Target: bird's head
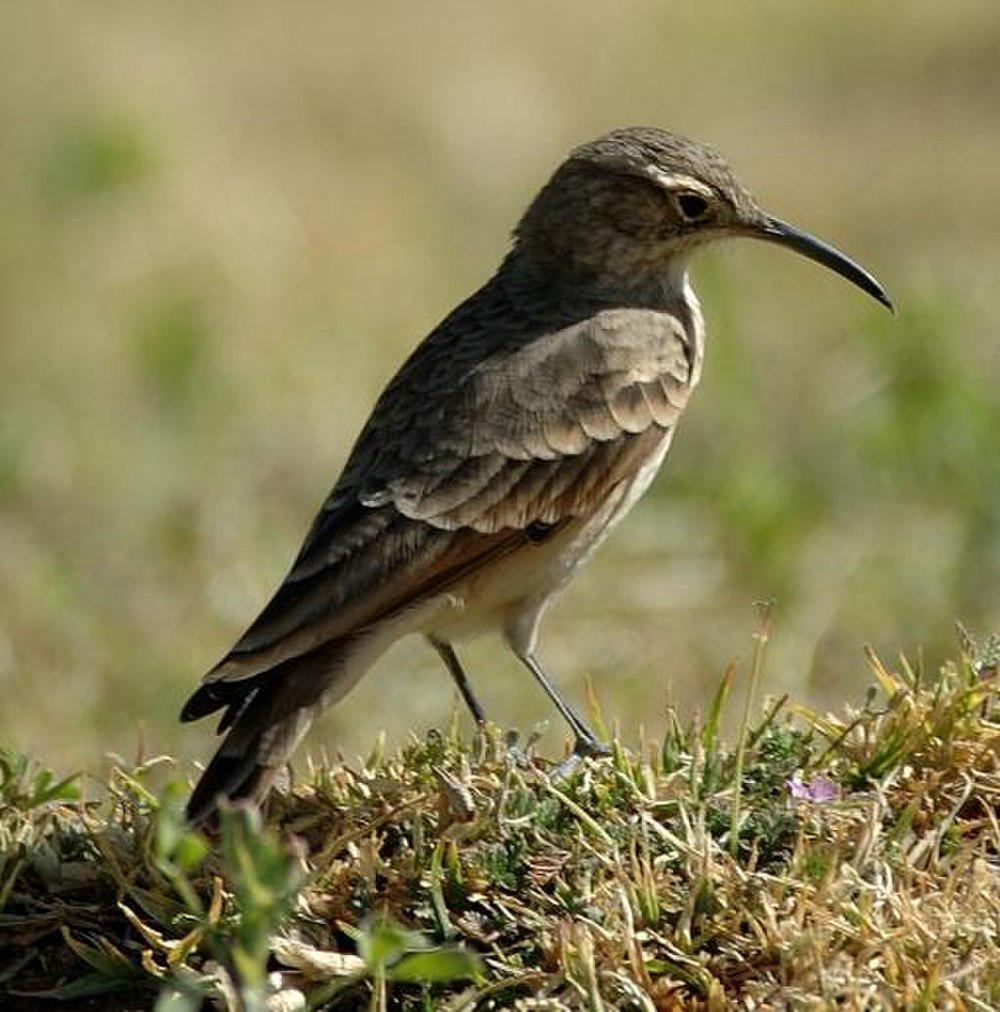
636,202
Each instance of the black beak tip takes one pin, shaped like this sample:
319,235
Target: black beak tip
867,283
887,302
877,292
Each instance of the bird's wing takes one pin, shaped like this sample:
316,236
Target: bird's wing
480,438
529,435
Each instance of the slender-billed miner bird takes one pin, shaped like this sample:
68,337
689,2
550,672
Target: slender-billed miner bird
512,440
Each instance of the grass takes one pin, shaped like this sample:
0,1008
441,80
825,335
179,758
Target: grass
847,860
213,256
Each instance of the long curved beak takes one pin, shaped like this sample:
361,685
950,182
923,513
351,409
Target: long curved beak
780,232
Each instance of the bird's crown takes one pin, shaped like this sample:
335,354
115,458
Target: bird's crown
667,159
619,207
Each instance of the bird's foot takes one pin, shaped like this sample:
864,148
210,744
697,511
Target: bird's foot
591,747
585,748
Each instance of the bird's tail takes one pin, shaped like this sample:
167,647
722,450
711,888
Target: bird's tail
257,746
232,778
266,717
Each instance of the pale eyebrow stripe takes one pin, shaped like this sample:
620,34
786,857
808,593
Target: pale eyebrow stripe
680,182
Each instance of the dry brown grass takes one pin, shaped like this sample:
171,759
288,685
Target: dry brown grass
864,873
223,227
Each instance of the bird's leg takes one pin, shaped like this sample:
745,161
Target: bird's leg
454,666
587,743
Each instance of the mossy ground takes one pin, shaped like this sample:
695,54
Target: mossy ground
856,866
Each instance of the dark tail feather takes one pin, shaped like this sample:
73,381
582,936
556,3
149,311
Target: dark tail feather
255,749
214,696
266,717
228,778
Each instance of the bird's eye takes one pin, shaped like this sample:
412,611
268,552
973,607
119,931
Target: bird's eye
691,206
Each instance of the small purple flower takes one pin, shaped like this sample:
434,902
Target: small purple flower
818,790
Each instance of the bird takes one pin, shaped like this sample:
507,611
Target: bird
513,439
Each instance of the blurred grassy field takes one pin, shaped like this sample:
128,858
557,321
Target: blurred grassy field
222,227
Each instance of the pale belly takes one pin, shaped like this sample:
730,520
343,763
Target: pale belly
510,595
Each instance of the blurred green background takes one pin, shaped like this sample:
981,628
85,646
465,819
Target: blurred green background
223,226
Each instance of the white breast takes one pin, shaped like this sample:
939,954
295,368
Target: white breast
510,595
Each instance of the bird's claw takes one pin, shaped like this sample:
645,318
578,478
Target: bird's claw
585,748
591,748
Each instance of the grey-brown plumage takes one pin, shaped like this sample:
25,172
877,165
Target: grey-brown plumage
503,450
